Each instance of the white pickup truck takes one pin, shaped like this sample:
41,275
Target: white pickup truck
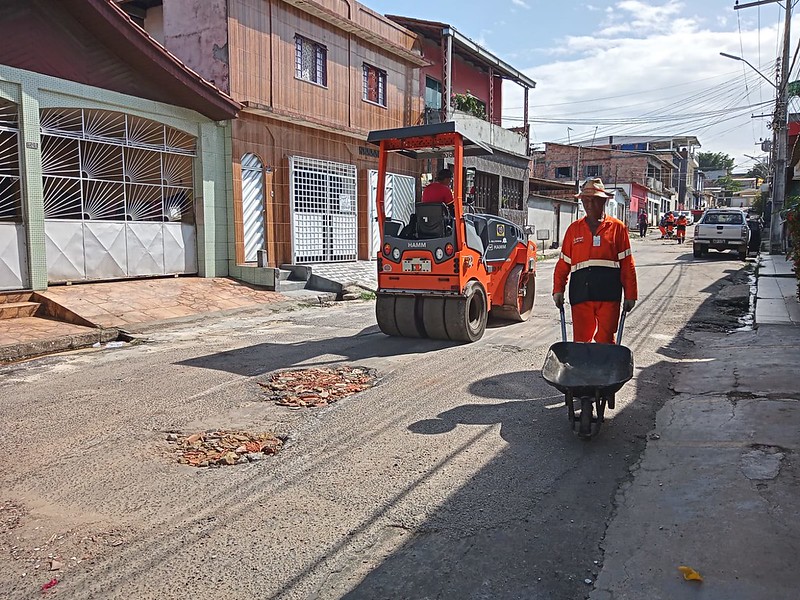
721,229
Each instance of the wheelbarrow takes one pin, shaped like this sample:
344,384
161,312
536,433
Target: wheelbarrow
590,374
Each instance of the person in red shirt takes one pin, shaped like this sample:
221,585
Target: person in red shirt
439,190
596,258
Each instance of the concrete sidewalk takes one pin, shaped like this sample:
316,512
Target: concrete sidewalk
717,486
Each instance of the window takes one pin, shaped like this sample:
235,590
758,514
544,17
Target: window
594,171
374,85
563,172
433,93
512,194
310,61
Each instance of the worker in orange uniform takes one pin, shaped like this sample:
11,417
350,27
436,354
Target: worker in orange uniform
596,258
680,226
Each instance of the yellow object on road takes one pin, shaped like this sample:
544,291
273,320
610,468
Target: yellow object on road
689,574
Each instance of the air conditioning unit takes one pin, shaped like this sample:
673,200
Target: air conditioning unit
651,183
659,186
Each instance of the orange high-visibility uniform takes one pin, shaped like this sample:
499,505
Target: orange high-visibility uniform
599,269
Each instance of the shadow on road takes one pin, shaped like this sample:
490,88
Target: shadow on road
263,358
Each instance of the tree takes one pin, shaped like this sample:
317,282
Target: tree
714,161
759,171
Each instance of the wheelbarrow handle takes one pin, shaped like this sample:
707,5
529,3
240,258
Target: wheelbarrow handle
621,327
563,324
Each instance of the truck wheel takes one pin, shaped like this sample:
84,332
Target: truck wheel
465,317
384,313
743,253
409,322
433,317
697,252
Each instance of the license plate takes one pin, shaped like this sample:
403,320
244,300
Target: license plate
718,241
416,265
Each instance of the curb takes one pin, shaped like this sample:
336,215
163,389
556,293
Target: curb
25,350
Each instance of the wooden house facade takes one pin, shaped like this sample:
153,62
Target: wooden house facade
314,77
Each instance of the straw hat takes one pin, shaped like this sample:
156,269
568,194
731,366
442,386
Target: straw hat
594,188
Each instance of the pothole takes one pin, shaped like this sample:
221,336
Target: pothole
761,462
219,448
317,387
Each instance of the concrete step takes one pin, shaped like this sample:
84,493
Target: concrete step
13,310
7,297
284,274
290,285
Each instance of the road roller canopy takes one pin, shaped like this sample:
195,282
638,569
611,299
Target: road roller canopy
432,141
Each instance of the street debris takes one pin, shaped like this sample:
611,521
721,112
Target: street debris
301,388
50,584
217,448
11,514
689,574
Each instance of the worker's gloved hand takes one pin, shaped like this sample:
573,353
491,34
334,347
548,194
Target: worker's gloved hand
558,299
628,305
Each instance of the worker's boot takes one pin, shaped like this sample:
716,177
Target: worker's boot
610,400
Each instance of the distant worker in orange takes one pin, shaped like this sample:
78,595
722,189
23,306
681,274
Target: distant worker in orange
596,258
680,226
439,190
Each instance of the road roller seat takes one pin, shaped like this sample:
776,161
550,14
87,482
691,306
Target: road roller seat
433,220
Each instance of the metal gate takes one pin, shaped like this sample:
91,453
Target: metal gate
13,249
399,203
324,201
118,196
252,206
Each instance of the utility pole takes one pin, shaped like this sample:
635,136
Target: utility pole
779,131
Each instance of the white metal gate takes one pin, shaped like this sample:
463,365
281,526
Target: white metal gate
13,249
399,199
252,206
118,196
324,211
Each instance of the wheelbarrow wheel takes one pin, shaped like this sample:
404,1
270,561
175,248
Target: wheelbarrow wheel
585,423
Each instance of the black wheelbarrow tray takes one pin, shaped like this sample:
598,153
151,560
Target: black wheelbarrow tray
591,372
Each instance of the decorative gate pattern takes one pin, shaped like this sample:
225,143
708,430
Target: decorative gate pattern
13,252
252,206
118,196
399,203
324,217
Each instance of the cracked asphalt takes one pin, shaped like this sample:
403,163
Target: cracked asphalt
457,476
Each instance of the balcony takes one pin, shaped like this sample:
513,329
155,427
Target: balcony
493,135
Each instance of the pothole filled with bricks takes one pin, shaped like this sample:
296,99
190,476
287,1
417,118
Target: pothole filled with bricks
296,389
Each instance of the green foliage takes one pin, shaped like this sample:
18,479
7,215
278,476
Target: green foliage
469,104
792,215
759,171
712,161
758,204
794,88
729,184
368,295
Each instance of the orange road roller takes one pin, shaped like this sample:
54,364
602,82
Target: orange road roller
444,269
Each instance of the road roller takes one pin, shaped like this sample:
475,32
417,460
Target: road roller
444,269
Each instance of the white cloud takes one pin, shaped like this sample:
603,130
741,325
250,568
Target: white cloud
520,3
664,70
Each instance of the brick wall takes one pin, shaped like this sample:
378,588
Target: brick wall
614,166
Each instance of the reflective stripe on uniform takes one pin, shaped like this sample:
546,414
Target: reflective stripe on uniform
625,253
566,258
595,263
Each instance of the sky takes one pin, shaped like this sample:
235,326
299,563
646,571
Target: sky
630,67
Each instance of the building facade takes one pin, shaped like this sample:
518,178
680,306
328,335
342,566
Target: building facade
111,151
314,77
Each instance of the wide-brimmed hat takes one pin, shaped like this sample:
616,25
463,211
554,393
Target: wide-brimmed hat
594,188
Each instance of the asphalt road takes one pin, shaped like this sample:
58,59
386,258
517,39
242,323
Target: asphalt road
456,477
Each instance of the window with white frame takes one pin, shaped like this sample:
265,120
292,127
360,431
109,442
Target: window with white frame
310,61
374,85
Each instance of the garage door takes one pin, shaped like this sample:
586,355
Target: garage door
118,196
